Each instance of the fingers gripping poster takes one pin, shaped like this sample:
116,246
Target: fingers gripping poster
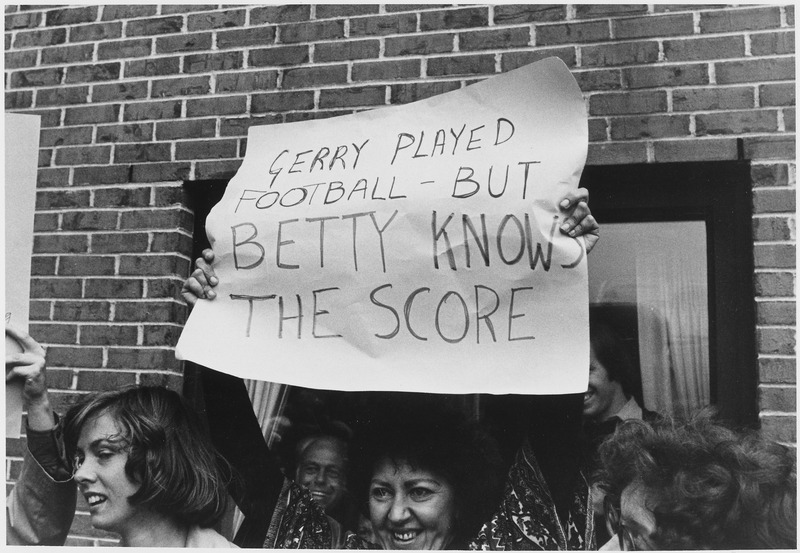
408,248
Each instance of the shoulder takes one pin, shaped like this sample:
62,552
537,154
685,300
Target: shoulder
206,537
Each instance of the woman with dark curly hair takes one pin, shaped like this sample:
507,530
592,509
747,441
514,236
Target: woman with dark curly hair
144,468
697,484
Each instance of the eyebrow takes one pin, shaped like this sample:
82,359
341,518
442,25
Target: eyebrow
113,440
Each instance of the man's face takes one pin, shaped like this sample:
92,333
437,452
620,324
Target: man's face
604,397
321,469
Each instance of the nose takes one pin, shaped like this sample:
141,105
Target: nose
399,512
321,477
85,474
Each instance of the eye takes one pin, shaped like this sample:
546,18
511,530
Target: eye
106,454
309,469
419,493
380,493
77,461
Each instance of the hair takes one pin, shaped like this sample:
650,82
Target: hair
181,475
421,431
303,438
712,487
609,349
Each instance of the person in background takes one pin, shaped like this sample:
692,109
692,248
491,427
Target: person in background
697,484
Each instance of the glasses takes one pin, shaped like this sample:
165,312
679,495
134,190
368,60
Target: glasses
626,540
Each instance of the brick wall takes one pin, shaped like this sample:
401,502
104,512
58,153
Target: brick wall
136,99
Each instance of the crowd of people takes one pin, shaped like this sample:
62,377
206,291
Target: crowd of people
592,470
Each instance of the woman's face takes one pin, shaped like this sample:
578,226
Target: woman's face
411,508
100,459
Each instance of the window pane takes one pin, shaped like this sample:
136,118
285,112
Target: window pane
651,279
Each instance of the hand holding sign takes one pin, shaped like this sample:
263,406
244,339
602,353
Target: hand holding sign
416,255
26,364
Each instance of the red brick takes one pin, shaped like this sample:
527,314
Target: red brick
383,25
62,96
156,26
776,313
460,18
170,242
788,119
94,381
492,40
239,126
707,48
598,130
769,147
695,150
513,60
716,98
45,158
152,265
36,77
132,132
164,288
89,220
665,75
62,199
414,45
311,31
352,97
772,228
767,44
170,194
170,109
628,103
650,126
411,92
65,136
217,169
168,9
183,43
43,266
91,114
526,13
108,335
47,178
205,63
625,53
777,399
216,20
40,310
324,11
728,20
28,20
159,172
790,15
78,356
150,311
482,64
39,38
603,10
120,242
206,149
385,71
168,218
55,288
71,16
186,128
774,256
117,92
580,31
83,155
95,32
153,67
117,49
346,50
777,371
280,14
49,117
653,26
769,174
774,200
616,153
165,380
230,105
60,243
128,11
243,38
86,265
314,77
277,56
755,70
101,288
127,196
181,87
281,101
19,99
113,174
737,122
138,153
247,82
780,429
65,54
142,358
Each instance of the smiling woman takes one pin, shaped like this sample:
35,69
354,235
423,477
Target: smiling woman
144,468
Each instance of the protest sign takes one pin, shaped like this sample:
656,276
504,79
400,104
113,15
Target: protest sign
408,248
21,160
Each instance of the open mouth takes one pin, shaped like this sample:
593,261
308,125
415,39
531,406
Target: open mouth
588,395
404,537
95,499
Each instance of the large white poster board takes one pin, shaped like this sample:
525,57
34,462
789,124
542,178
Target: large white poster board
408,248
21,161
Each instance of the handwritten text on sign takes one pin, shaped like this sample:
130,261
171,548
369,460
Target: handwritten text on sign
411,248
